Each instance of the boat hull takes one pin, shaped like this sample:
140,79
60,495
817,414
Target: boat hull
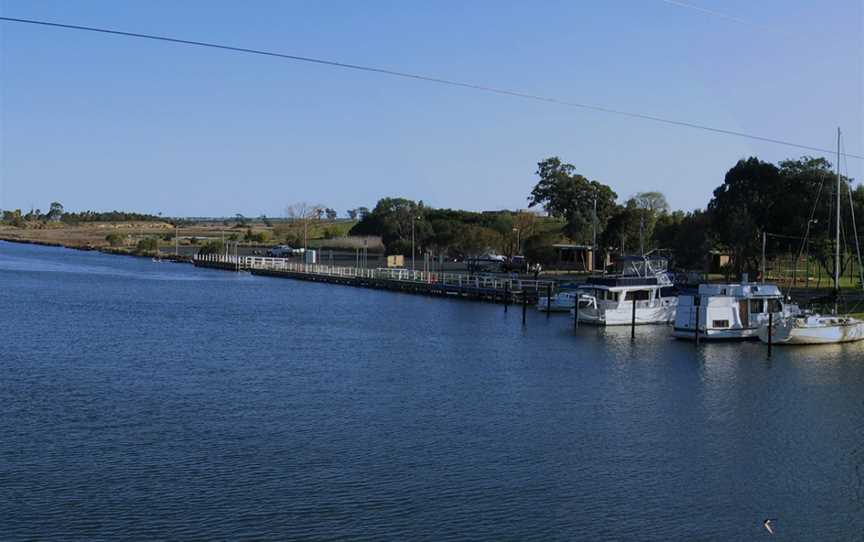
554,306
834,331
624,317
731,334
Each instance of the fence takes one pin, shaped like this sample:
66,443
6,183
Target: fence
440,280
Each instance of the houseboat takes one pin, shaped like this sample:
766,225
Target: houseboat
730,311
609,300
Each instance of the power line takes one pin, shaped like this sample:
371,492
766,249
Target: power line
708,11
461,84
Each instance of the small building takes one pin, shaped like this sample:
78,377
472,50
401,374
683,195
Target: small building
718,261
574,257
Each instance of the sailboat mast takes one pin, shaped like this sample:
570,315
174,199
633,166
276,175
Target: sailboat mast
837,238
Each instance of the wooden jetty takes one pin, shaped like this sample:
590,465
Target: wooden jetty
481,287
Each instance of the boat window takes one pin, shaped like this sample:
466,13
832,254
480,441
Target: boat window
667,292
639,295
757,305
774,305
720,323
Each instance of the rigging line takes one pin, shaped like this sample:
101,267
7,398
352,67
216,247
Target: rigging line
852,211
431,79
807,232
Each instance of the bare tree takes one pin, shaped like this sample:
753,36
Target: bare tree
301,215
653,202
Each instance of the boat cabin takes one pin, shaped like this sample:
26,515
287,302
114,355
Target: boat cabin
727,311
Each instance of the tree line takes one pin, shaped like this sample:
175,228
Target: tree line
783,201
757,199
57,213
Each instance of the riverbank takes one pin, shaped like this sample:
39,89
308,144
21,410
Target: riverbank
105,250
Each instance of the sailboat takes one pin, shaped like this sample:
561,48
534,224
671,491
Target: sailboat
816,328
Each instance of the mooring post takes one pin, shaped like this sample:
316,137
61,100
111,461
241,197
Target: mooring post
548,300
770,332
696,304
524,306
576,314
633,320
506,295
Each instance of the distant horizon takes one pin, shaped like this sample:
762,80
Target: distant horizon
98,121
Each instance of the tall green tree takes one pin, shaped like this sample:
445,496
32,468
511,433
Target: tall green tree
393,219
689,235
55,212
626,229
571,197
743,207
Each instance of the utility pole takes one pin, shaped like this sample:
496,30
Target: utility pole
594,234
413,251
764,242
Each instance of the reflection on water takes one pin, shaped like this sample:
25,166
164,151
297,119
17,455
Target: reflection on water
211,405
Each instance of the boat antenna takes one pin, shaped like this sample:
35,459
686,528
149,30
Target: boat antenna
642,233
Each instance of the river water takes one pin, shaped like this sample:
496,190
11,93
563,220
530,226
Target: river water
151,401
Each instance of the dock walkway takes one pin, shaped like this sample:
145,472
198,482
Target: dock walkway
479,287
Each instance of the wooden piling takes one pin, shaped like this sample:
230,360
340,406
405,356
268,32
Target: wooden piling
696,304
506,295
524,307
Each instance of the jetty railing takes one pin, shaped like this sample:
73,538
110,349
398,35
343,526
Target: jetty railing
437,279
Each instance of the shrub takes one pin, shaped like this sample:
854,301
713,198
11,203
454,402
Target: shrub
147,245
116,239
255,237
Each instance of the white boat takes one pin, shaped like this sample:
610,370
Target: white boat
561,302
730,311
814,329
643,281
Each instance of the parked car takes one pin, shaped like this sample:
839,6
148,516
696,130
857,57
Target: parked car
517,264
280,251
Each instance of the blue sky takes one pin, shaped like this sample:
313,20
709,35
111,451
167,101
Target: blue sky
104,122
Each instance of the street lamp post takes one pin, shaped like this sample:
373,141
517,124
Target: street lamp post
413,252
518,242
